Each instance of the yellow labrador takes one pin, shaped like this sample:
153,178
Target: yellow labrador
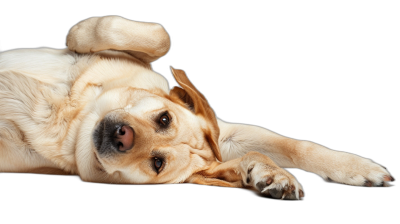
98,110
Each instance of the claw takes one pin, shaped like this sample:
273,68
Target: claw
283,196
388,178
266,188
301,193
289,191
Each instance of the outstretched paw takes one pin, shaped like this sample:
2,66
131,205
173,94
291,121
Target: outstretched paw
358,171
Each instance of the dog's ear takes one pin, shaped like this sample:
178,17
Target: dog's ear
196,102
180,95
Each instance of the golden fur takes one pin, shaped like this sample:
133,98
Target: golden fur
57,107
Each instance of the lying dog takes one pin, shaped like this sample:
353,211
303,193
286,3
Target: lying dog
97,110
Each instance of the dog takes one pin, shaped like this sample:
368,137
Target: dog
98,110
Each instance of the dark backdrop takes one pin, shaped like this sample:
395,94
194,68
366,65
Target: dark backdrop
320,73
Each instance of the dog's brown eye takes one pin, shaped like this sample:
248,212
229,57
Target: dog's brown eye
164,120
158,164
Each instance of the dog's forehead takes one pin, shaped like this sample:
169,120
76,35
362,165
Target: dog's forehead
145,105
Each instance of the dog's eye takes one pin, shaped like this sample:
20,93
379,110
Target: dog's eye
164,119
158,164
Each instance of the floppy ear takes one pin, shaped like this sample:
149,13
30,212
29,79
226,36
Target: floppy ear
196,102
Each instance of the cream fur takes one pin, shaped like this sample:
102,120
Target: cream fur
52,100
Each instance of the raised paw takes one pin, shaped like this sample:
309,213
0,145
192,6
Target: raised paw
274,182
145,41
84,36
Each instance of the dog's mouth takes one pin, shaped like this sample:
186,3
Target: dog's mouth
111,137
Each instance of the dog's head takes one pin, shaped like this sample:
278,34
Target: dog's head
156,138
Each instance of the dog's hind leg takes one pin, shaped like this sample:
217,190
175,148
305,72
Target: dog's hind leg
237,139
145,41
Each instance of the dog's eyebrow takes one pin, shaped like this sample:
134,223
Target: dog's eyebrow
155,114
158,153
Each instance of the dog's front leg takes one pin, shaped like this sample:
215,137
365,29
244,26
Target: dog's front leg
237,139
253,170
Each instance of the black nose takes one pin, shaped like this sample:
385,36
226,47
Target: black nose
124,138
112,136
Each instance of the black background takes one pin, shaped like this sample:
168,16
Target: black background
314,72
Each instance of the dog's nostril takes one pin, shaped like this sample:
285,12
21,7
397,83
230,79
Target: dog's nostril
120,131
124,138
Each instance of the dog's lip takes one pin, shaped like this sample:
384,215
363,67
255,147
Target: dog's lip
101,167
97,158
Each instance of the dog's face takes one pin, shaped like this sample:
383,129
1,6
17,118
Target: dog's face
155,138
